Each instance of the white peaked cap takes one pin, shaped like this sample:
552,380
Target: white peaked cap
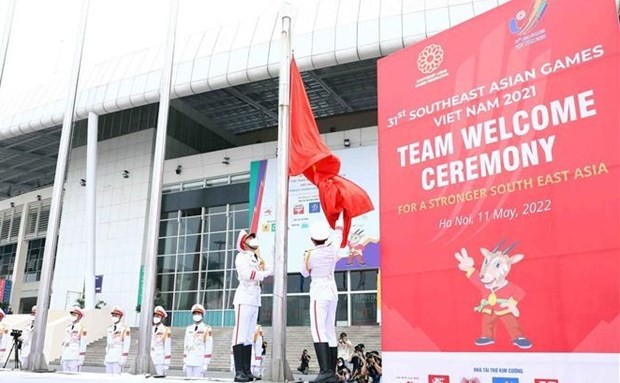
320,231
198,308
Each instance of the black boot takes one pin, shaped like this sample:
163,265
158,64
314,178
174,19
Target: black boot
247,366
239,357
334,360
323,355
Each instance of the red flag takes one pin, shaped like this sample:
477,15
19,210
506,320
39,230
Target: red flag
310,156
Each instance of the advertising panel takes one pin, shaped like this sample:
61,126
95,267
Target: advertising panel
499,182
362,251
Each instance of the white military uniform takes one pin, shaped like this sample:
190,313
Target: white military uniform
27,334
117,349
74,347
198,348
4,339
161,351
247,295
319,264
257,354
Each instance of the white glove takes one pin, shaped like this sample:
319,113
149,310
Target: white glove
205,367
123,360
268,271
184,367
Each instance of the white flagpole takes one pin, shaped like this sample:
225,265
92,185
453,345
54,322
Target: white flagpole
4,46
143,361
37,360
280,370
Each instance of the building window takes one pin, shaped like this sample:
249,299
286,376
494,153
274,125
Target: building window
37,219
363,309
7,260
195,261
10,220
357,299
34,260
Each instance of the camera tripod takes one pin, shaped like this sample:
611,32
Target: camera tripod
17,344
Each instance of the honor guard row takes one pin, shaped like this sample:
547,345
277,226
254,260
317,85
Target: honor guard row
197,349
197,345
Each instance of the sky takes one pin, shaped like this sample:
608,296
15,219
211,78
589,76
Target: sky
43,35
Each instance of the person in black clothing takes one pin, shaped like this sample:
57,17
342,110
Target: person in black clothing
374,368
305,363
342,372
358,362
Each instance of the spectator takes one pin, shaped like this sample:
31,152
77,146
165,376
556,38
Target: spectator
345,348
342,372
374,367
305,362
358,362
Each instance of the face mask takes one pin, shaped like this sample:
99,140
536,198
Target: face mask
156,320
74,317
116,319
253,243
197,318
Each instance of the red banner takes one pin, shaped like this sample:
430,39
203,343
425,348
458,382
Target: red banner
505,235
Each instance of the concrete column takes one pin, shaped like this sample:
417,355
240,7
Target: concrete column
20,262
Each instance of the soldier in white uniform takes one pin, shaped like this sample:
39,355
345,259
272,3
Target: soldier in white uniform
251,270
198,345
257,351
74,345
119,341
161,352
26,339
4,337
319,264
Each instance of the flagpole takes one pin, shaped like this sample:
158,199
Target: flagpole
37,359
4,46
143,360
280,371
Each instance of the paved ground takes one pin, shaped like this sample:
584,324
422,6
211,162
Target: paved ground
96,374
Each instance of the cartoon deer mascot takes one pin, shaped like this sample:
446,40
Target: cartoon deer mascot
499,296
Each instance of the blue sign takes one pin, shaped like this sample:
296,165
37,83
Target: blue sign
314,207
8,286
98,283
505,380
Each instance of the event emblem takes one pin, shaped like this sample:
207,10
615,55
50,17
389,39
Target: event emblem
524,22
430,58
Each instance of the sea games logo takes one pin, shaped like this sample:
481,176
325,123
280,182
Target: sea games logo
429,62
523,24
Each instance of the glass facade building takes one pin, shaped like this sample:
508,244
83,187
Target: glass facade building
198,229
36,216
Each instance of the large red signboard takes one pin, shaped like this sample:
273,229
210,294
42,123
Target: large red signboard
499,185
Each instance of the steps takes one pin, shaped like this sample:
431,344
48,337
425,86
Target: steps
298,339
